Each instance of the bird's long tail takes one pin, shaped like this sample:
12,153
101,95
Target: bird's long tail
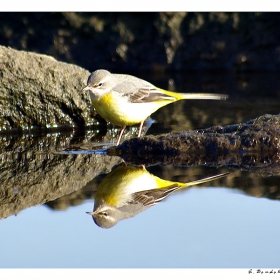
213,96
205,180
168,187
199,95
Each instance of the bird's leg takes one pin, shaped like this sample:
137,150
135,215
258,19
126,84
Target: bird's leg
140,129
120,135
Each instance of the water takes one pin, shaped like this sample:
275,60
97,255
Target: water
227,223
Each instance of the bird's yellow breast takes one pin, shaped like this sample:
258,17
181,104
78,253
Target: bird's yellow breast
119,111
117,187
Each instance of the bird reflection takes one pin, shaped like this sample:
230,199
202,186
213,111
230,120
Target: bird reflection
129,190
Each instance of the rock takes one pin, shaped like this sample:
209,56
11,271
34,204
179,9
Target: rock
252,146
38,92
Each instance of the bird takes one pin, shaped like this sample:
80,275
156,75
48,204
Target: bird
126,100
129,190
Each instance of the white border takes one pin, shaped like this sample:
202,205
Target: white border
143,5
138,274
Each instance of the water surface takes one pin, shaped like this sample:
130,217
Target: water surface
226,223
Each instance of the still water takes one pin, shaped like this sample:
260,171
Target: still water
229,222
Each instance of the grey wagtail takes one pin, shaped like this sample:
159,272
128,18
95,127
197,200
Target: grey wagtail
127,100
129,190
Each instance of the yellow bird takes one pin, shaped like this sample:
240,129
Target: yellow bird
127,100
128,190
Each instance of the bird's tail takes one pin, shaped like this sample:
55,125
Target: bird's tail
199,95
205,180
213,96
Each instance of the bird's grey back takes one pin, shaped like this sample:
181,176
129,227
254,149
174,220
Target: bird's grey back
139,83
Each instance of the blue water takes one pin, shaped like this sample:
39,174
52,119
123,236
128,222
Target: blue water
201,228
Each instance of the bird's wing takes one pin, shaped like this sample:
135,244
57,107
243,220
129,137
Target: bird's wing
151,197
141,201
140,94
130,210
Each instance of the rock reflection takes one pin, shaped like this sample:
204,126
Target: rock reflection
129,190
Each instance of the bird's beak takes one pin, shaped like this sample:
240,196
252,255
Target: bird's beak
85,88
90,213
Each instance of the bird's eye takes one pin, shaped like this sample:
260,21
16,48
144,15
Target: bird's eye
100,84
105,214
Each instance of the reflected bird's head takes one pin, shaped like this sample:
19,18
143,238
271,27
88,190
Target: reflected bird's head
105,216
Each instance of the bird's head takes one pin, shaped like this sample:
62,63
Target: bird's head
99,83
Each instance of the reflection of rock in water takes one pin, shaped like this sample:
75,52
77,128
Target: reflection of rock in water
31,173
